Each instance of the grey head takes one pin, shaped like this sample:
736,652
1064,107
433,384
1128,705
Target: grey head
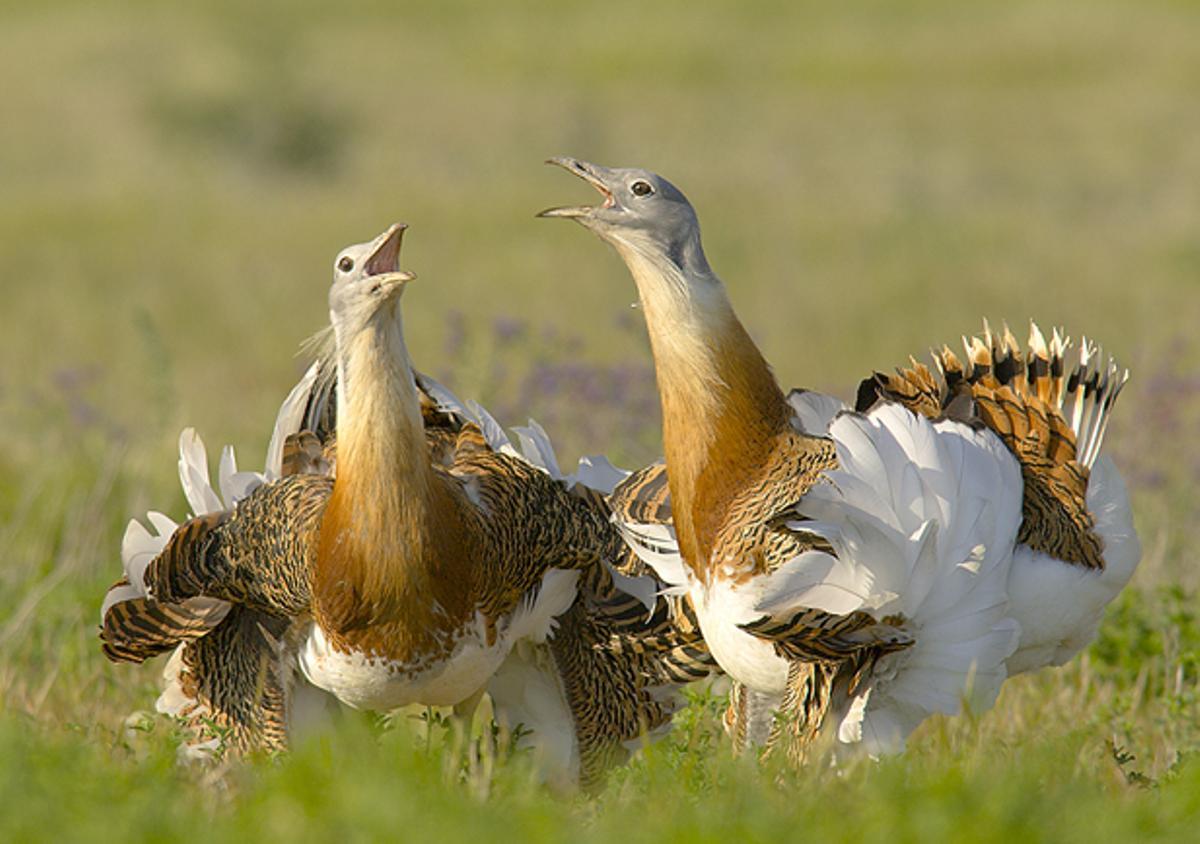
641,211
366,279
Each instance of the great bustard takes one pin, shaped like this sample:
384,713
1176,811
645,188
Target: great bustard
861,570
398,557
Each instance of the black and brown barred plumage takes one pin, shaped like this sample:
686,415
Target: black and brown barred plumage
1036,401
494,539
860,570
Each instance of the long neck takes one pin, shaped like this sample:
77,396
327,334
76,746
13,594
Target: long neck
722,409
376,530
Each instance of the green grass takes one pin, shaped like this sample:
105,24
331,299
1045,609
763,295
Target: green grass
872,178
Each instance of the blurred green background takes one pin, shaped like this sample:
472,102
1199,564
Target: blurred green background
872,178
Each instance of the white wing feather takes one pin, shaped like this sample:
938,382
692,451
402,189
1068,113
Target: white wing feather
288,421
656,546
814,412
193,474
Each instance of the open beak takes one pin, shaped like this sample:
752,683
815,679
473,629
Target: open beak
594,175
383,264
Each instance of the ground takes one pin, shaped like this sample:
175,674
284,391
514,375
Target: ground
872,179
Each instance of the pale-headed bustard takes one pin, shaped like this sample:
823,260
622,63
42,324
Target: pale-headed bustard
861,569
398,550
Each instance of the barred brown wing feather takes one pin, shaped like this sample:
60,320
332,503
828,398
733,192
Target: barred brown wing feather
644,497
257,555
139,628
232,685
814,635
1051,419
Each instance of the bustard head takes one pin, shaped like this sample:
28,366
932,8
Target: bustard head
642,212
367,280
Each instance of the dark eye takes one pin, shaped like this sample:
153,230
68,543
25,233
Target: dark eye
641,188
346,264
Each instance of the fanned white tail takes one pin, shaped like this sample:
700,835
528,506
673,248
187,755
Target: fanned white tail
923,518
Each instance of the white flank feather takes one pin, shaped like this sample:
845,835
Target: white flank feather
311,711
644,589
527,692
535,620
173,701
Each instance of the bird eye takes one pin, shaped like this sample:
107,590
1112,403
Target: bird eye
641,188
346,264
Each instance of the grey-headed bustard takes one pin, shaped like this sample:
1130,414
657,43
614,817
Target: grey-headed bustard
861,569
392,553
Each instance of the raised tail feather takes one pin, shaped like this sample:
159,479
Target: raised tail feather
1071,391
1049,403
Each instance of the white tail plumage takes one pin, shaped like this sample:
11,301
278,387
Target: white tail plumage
1060,606
1096,383
923,519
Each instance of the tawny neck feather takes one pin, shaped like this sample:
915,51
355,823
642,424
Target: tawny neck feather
385,528
722,409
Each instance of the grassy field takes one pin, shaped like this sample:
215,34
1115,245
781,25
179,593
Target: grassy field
872,178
